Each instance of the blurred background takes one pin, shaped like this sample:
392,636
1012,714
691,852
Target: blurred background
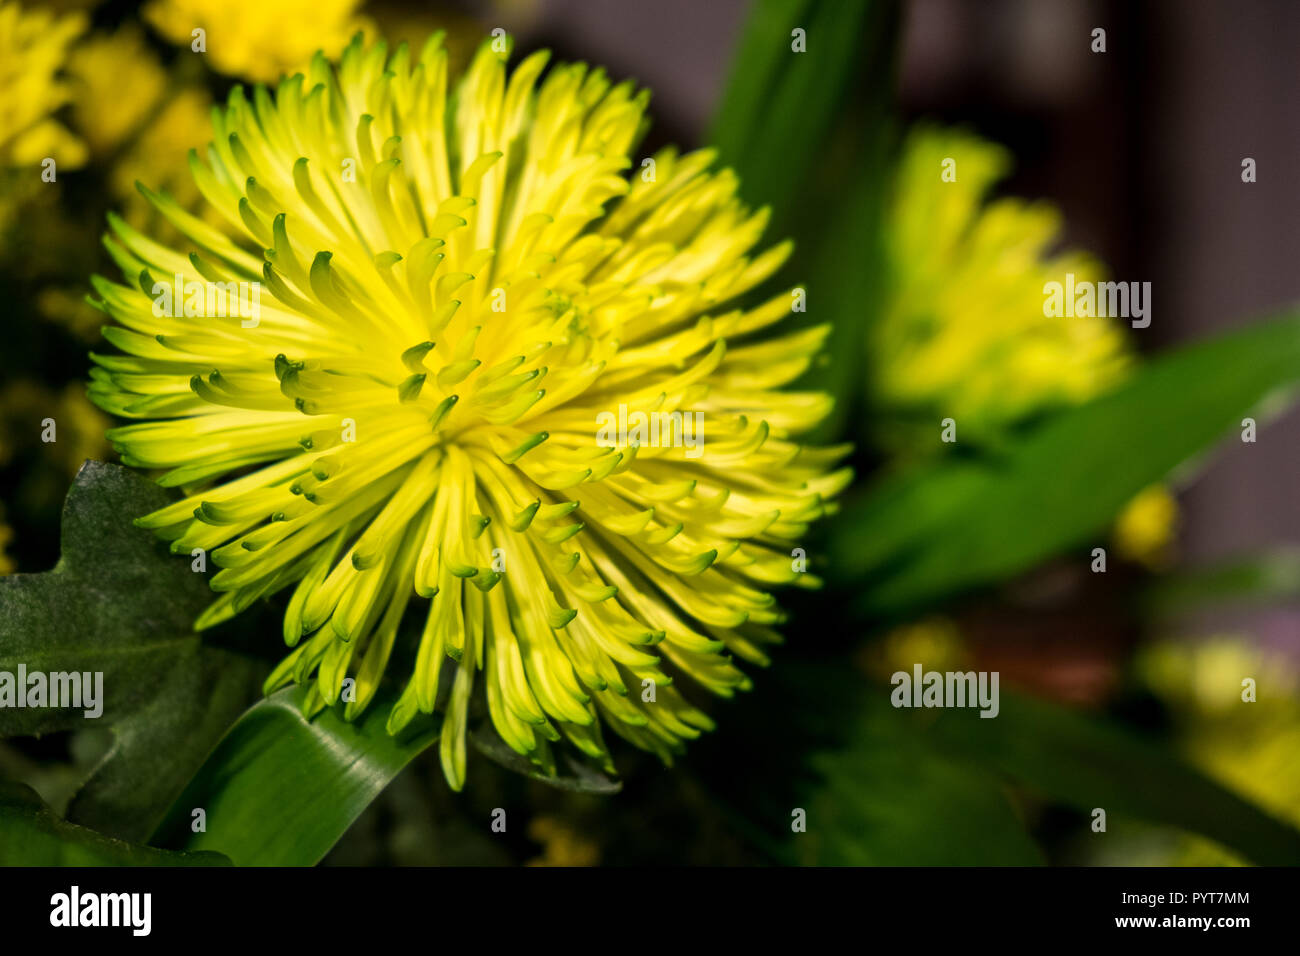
1139,149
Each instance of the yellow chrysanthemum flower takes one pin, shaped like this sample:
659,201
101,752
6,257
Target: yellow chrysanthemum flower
254,39
101,68
33,50
460,287
963,334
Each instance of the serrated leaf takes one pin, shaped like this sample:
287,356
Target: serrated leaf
118,604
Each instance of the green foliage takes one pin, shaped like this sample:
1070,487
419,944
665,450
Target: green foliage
117,603
31,835
281,788
812,136
1086,763
889,797
780,106
956,524
935,786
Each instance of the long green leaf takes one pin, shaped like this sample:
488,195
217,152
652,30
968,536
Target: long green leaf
812,137
280,789
780,105
956,525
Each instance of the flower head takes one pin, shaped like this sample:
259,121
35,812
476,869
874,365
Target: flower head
103,66
459,285
963,334
255,39
33,51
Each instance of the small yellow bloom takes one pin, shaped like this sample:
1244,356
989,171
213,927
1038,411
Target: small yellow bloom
1144,528
562,844
101,69
33,52
963,334
1248,745
935,642
255,39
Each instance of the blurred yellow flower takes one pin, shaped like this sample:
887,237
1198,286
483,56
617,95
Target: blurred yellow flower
562,844
68,308
147,139
7,565
160,156
963,335
103,66
258,40
1249,746
33,50
79,425
935,642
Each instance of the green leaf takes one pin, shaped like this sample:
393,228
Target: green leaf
888,797
159,746
779,106
812,136
955,525
117,603
903,786
280,788
1087,763
31,835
